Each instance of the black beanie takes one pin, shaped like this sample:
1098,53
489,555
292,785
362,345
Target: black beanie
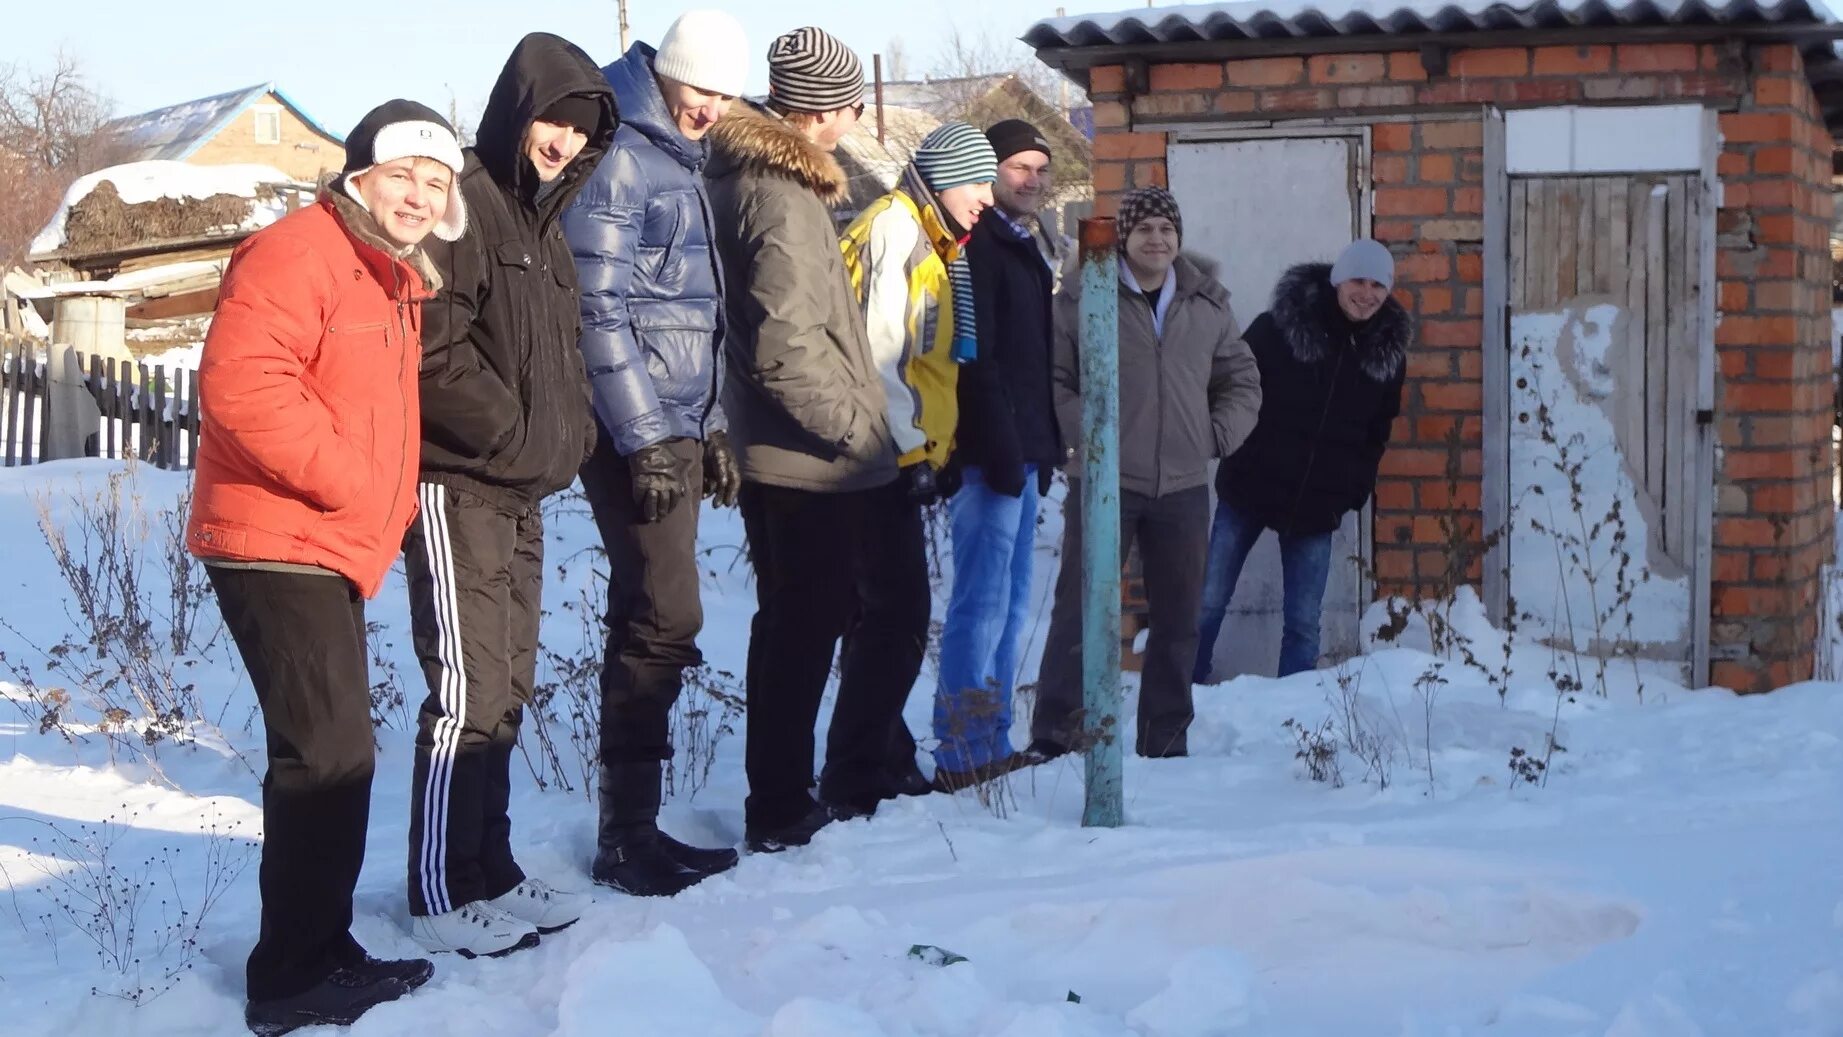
578,110
1015,135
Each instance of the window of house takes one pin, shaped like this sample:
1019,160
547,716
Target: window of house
269,125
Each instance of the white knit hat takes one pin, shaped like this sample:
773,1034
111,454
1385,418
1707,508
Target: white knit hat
705,49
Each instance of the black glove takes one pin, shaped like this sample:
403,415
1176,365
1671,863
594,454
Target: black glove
1046,476
659,481
920,480
722,478
949,480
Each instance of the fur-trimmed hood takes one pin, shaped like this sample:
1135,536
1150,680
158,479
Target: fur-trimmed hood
364,227
751,140
1306,312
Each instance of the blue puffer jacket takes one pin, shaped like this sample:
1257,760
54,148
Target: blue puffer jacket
652,290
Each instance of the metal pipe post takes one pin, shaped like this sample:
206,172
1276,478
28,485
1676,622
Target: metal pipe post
1100,521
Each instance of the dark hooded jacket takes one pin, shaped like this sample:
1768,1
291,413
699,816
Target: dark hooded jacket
652,289
1330,390
505,402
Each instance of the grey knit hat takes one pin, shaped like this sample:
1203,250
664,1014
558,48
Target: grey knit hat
811,70
1367,259
955,155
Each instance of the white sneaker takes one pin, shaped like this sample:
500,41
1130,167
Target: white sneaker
474,930
541,905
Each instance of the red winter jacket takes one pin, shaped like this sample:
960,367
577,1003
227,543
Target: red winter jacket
310,428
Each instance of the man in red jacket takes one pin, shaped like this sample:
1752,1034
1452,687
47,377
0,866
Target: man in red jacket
306,483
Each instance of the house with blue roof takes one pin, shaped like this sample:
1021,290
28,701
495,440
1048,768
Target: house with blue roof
257,124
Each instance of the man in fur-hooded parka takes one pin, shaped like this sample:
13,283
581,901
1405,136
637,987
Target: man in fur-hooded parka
1330,390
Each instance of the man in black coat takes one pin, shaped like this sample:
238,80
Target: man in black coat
505,423
1332,350
1006,446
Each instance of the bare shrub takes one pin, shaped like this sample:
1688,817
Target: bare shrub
144,924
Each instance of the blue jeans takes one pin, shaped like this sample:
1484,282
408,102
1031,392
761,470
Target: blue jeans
1305,565
993,539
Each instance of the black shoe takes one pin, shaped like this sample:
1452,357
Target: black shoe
849,810
1043,750
636,862
953,781
796,833
702,861
907,781
340,998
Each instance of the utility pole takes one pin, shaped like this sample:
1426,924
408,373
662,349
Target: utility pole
1099,358
621,7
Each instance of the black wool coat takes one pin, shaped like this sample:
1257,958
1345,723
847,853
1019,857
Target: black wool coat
1330,391
1007,397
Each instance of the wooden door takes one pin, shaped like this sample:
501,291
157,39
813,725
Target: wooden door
1606,443
1257,207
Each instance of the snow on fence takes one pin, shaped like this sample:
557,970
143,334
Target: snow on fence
145,411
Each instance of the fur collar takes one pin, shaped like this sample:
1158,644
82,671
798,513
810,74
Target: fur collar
361,225
1305,311
758,142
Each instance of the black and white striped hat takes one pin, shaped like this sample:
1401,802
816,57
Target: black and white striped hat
810,70
954,155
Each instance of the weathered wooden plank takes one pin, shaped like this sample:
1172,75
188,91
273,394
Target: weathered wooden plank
1500,251
1519,241
9,407
192,419
1681,388
108,443
1586,270
1657,323
32,437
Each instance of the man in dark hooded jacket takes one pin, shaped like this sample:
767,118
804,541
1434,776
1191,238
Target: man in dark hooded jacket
1332,351
505,423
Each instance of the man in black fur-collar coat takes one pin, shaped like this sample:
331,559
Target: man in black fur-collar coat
1332,350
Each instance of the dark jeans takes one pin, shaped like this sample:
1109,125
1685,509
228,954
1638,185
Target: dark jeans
829,567
1305,565
1172,533
302,639
476,575
654,613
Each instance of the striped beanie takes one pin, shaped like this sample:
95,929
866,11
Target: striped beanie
955,155
810,70
1138,205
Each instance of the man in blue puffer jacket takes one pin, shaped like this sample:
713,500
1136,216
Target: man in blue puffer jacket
652,325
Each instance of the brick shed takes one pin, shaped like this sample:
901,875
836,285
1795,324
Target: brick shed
1611,222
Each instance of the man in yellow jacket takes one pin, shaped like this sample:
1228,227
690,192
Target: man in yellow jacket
906,258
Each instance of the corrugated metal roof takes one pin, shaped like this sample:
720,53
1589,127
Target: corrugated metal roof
1277,19
176,131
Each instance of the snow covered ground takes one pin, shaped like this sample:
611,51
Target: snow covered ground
1676,876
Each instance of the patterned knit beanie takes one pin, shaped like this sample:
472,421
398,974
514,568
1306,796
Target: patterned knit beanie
810,70
955,155
1143,203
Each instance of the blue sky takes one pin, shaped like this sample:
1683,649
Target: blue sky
337,60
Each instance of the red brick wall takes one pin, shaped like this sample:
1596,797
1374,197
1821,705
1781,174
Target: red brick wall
1427,173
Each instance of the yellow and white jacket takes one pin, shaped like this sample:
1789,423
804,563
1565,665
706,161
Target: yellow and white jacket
897,252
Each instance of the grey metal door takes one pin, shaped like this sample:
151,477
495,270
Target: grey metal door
1257,207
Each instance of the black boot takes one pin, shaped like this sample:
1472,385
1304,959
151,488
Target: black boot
797,832
704,862
634,860
631,853
340,998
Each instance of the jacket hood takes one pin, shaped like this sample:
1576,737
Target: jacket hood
542,70
364,229
1306,312
643,107
751,140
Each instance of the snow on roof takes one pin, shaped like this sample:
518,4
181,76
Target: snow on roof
1256,19
140,282
177,131
139,182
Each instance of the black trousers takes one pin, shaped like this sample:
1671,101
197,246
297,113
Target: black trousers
1173,537
302,639
654,615
829,566
476,573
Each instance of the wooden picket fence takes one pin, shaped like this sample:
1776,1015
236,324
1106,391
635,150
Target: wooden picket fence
147,411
